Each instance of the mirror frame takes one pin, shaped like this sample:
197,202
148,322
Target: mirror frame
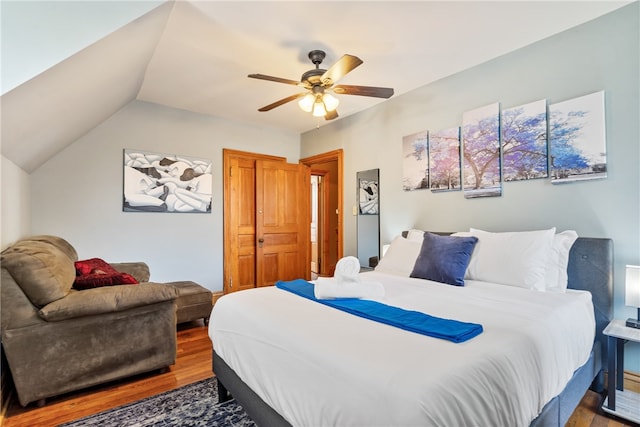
368,221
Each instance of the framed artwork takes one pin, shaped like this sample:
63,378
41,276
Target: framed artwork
415,161
577,139
155,182
481,152
444,160
524,142
368,197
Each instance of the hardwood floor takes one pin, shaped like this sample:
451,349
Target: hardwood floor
194,364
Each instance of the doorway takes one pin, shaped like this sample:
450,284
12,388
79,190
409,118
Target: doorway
326,212
318,225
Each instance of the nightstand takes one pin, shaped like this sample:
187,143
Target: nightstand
624,404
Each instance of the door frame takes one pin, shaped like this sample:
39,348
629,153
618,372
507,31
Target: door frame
337,156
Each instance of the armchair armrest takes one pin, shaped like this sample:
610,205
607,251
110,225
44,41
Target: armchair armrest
139,270
106,299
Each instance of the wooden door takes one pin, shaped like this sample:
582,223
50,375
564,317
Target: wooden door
241,256
240,226
282,222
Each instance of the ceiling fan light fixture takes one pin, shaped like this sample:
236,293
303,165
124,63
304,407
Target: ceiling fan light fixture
318,81
319,109
306,103
330,102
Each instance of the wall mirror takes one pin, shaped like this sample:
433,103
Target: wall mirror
368,225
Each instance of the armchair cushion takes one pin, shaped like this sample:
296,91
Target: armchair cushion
43,271
58,242
106,300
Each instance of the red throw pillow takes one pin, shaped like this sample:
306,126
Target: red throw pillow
95,272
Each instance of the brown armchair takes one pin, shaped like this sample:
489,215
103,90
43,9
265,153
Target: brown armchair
57,339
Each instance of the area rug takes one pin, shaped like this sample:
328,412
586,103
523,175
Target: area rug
192,405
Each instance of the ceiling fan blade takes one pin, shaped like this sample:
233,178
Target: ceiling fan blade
282,101
331,115
274,79
340,69
378,92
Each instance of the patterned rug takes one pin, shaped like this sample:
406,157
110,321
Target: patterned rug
192,405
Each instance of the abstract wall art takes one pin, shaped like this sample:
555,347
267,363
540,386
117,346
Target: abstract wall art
155,182
368,197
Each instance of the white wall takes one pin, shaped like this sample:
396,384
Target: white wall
599,55
78,193
16,206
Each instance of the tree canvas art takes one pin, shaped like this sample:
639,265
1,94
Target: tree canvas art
481,152
155,182
524,142
577,139
415,163
444,160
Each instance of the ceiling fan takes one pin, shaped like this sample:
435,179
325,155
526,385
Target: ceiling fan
319,82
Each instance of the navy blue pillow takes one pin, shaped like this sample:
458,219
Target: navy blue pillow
444,259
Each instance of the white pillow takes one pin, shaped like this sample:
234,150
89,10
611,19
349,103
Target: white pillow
415,235
512,258
400,257
557,277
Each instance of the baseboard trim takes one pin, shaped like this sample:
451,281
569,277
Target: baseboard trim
631,381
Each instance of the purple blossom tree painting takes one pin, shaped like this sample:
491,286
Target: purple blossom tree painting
577,139
415,163
524,142
444,160
481,152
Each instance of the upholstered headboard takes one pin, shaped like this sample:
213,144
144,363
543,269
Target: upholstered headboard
591,269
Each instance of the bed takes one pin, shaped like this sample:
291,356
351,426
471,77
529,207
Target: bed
292,361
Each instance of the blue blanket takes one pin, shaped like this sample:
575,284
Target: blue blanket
413,321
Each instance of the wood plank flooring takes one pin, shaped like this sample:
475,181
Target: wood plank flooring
194,364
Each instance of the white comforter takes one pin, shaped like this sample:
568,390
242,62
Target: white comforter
318,366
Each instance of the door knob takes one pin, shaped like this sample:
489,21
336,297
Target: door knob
260,242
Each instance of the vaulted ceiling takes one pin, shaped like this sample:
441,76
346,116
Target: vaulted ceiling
195,55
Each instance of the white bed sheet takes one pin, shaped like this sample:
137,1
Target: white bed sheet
318,366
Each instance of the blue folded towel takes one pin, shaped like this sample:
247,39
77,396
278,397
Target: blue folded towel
414,321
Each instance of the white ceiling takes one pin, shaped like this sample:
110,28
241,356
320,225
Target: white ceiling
195,55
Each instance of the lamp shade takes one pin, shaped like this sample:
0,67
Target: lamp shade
632,286
318,108
306,103
330,101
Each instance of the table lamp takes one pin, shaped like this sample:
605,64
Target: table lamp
632,294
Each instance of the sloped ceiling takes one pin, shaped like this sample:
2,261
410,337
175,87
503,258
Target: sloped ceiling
195,55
